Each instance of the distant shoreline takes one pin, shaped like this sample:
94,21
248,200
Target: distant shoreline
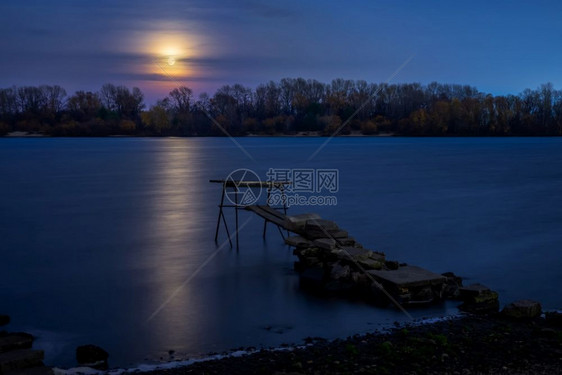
19,134
23,135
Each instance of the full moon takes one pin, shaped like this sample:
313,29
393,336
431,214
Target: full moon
171,60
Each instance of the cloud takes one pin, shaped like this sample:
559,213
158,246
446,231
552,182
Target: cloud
78,42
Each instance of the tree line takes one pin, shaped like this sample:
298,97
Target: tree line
289,106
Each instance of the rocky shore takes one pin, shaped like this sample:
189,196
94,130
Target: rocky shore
468,344
520,339
17,357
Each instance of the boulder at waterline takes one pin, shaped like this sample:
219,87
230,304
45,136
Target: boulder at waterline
522,309
92,356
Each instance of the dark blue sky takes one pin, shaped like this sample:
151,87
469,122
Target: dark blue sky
497,46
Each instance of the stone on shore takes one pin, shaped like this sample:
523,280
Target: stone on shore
452,285
297,222
479,299
340,271
370,264
92,356
307,252
522,309
320,228
297,241
407,277
20,359
357,253
347,241
330,260
325,243
40,370
15,341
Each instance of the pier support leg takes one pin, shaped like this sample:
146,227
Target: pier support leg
221,215
284,199
236,214
281,232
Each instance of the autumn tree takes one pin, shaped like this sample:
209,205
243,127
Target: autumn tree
156,119
286,106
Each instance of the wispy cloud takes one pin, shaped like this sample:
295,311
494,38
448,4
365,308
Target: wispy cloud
248,41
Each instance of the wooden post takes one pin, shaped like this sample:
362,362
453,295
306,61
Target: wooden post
249,184
267,204
284,200
221,214
236,214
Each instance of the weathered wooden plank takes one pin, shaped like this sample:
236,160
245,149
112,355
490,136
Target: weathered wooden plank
269,214
297,241
272,211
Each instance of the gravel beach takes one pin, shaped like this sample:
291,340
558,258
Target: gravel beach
469,344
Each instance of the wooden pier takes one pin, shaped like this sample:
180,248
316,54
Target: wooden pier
330,259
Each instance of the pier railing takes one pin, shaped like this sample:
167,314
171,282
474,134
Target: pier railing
240,195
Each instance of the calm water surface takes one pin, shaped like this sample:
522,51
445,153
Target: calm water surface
102,240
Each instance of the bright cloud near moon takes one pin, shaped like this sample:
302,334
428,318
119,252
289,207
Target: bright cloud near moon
169,49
